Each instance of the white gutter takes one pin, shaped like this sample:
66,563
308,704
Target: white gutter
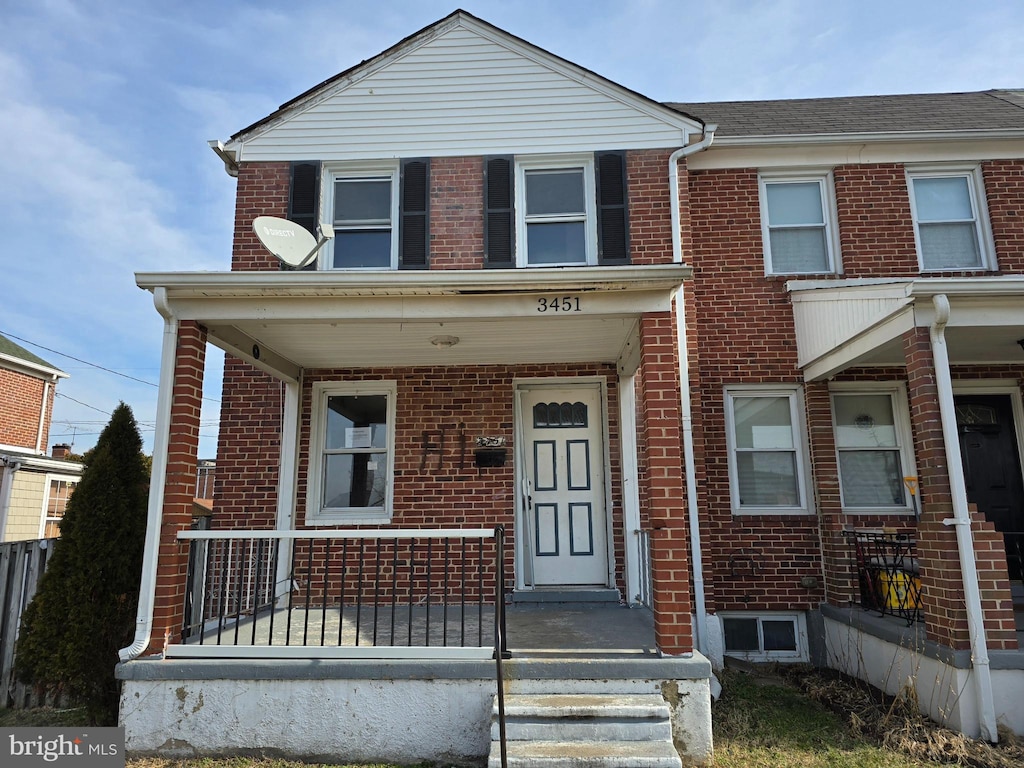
699,603
10,468
42,417
962,521
147,586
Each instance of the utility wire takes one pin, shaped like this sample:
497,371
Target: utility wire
94,365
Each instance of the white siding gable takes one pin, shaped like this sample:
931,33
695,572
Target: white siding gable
466,89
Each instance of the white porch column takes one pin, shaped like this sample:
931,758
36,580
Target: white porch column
630,487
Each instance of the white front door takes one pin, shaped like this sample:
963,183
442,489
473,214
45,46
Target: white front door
563,521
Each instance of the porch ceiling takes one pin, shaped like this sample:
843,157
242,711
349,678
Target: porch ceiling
846,323
284,322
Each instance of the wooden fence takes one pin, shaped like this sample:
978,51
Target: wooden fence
21,565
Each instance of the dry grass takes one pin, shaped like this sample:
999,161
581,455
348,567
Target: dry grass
895,722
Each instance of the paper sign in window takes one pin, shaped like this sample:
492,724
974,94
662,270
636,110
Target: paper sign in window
357,437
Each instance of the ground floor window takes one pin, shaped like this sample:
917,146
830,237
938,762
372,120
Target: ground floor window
58,493
765,636
872,433
766,454
352,451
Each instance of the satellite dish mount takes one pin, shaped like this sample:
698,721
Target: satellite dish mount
291,243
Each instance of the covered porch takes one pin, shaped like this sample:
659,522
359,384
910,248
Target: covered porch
939,556
478,376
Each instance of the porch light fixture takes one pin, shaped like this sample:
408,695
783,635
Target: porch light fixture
1021,342
444,341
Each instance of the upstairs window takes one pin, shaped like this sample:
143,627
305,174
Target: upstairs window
950,220
556,221
379,211
556,210
364,210
798,224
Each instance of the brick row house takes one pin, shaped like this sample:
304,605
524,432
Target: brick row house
752,370
34,487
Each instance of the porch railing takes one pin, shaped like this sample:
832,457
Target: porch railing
888,573
343,593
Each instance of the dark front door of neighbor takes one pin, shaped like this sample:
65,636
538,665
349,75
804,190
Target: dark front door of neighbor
992,471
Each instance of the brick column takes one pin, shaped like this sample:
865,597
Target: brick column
179,485
942,599
662,482
994,584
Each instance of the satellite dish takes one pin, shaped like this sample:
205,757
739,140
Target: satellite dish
291,243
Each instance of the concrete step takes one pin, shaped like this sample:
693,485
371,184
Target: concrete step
589,717
604,730
579,754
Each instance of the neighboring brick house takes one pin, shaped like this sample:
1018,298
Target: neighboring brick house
532,257
34,487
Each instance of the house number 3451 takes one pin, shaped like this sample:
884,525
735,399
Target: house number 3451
559,304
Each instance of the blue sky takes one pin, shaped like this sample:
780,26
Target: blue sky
106,107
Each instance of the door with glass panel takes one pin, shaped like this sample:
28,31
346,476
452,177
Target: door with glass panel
563,520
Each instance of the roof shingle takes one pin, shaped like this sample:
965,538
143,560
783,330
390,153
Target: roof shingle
912,113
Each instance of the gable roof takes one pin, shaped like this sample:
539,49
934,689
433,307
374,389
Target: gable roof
17,354
912,113
458,84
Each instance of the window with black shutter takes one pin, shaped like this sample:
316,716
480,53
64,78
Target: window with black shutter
557,210
380,213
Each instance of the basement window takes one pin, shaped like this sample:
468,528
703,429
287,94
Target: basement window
765,636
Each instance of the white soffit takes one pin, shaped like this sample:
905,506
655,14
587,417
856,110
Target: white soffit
286,322
463,87
843,323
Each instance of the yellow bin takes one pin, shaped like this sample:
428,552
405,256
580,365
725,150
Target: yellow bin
899,590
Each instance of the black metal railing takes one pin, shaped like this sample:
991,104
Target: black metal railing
362,592
888,573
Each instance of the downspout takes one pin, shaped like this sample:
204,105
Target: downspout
700,606
11,466
158,480
962,521
42,417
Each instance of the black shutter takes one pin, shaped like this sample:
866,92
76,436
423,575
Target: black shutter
304,198
499,212
303,195
414,215
612,208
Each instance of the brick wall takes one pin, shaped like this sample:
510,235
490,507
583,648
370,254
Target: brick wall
262,190
440,488
456,213
21,397
741,332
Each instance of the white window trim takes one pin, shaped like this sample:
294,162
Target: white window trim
75,479
550,163
798,618
904,435
336,172
315,515
826,183
796,411
979,206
